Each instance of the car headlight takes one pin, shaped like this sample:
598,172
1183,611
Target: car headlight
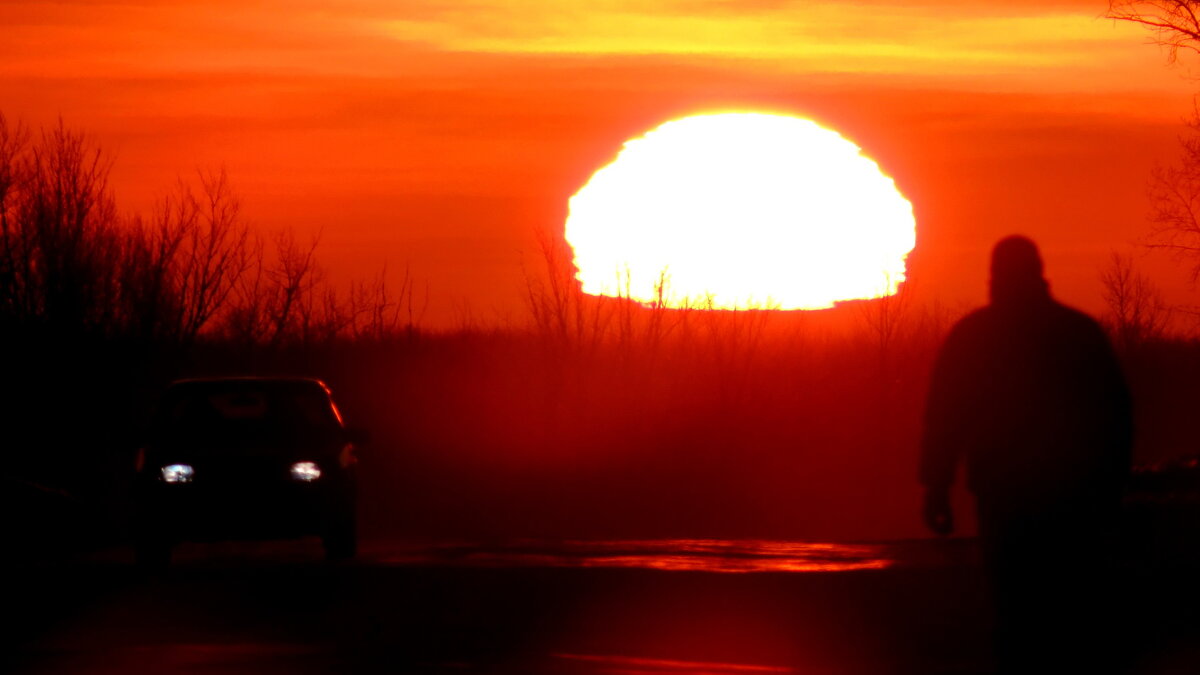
177,473
306,472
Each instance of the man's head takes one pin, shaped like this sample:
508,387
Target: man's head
1017,272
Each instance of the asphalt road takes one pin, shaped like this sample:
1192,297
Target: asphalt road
279,608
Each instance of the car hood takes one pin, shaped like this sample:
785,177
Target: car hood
265,445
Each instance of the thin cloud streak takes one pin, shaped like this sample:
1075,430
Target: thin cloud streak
1026,48
827,37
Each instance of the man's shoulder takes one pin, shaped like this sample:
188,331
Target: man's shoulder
976,328
1078,318
1052,315
977,319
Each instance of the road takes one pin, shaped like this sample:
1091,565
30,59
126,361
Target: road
540,607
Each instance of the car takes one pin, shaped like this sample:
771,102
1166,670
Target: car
245,458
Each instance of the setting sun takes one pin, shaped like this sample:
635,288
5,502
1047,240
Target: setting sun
741,210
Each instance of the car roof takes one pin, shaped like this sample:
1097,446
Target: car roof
249,379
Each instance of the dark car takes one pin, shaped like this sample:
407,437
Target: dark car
246,458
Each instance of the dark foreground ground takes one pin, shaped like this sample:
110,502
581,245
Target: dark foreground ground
551,607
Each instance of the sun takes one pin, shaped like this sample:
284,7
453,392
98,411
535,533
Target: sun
741,210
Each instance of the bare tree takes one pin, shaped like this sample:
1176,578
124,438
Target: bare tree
69,267
1174,23
149,295
887,316
378,312
272,299
1136,310
1174,193
216,252
556,300
14,140
284,297
60,243
1174,190
182,264
292,280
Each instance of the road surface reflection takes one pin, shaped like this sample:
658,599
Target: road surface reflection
692,555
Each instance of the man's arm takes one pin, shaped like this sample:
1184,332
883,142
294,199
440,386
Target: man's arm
941,446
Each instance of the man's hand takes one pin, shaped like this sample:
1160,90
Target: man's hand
938,516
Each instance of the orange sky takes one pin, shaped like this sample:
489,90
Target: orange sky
444,135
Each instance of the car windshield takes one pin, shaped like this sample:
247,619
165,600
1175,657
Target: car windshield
244,408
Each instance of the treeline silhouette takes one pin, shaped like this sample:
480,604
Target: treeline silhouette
72,265
99,308
600,417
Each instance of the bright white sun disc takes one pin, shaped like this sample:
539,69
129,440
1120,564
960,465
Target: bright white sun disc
740,210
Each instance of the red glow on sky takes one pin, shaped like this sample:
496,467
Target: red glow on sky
444,137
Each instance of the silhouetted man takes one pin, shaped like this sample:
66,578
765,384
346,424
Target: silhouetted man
1027,391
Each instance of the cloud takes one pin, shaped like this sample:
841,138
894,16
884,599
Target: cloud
1025,42
1018,44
